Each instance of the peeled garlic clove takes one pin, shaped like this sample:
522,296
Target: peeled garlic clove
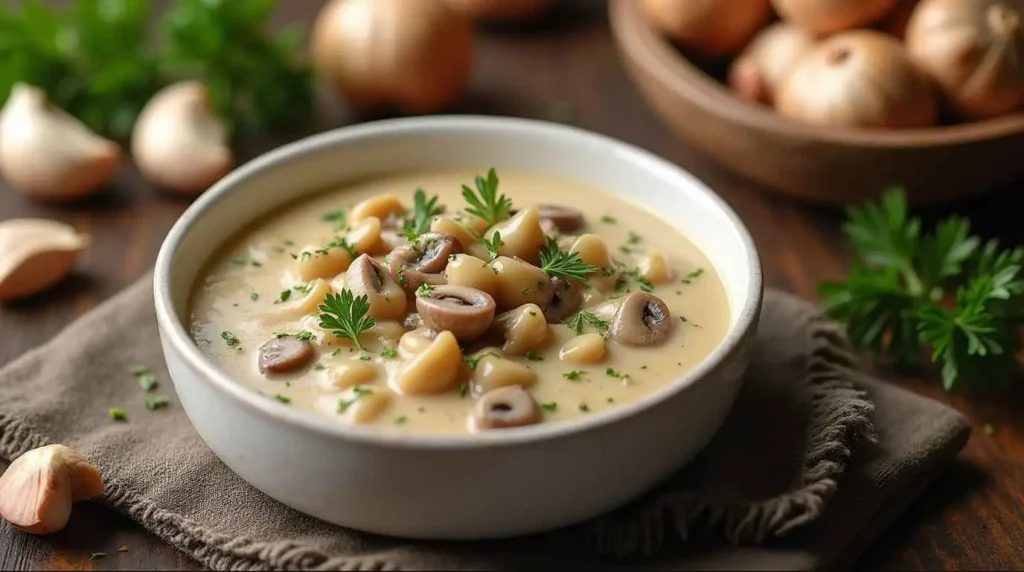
760,68
35,254
179,142
38,488
46,153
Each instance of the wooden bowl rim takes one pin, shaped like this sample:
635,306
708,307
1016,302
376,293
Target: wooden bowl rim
655,53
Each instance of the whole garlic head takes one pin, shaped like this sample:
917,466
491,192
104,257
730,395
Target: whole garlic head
179,142
38,488
47,153
974,49
860,78
35,254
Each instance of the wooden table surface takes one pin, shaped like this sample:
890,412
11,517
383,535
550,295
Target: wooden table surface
971,518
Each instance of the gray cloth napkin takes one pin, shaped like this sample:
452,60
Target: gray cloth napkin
813,462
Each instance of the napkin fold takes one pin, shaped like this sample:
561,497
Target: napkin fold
814,461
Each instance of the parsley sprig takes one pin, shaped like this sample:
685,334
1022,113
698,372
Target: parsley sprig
558,263
346,315
910,290
423,212
487,203
577,321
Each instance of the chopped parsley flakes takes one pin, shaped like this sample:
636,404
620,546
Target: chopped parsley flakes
573,375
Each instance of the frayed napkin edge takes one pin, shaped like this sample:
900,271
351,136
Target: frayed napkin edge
840,419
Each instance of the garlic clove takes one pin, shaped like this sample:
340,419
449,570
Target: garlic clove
35,254
47,153
37,490
179,142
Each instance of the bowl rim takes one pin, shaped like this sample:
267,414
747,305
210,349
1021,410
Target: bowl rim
177,338
641,42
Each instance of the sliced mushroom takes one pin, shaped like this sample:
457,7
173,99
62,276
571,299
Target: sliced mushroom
367,276
565,219
642,320
423,261
283,355
465,312
565,301
510,406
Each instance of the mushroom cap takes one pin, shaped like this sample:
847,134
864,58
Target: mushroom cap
465,312
642,320
423,261
504,407
565,301
283,355
565,218
367,276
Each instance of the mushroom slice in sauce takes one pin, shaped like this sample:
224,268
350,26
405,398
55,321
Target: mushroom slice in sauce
510,406
283,355
465,312
566,219
565,301
642,320
423,261
367,276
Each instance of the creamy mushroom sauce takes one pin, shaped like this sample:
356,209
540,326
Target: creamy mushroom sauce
255,290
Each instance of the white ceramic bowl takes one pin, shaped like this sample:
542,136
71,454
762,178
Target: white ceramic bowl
498,484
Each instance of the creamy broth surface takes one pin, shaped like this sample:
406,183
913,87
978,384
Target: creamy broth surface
254,291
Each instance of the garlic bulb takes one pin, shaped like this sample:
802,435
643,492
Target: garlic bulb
761,67
35,254
46,153
179,142
974,49
415,55
830,16
861,78
500,9
712,27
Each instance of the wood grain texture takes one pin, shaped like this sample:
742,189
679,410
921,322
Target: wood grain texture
971,518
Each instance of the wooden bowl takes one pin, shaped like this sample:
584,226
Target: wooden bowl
827,165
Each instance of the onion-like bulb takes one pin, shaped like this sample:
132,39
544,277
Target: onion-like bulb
500,9
760,68
711,27
974,49
414,55
861,78
831,16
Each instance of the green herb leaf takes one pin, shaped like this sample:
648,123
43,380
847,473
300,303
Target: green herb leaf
424,290
576,322
423,212
154,402
118,414
553,406
388,352
565,265
493,244
346,315
616,374
97,555
147,381
573,375
255,79
283,398
609,219
487,203
892,300
229,339
533,356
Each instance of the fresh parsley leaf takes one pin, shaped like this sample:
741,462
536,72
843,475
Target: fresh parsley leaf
474,360
388,352
254,296
97,555
576,322
493,244
616,374
255,79
284,296
154,402
147,381
346,315
283,398
401,419
533,356
558,263
609,219
424,290
229,339
584,408
423,212
633,238
573,375
118,414
304,335
553,406
487,203
894,301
